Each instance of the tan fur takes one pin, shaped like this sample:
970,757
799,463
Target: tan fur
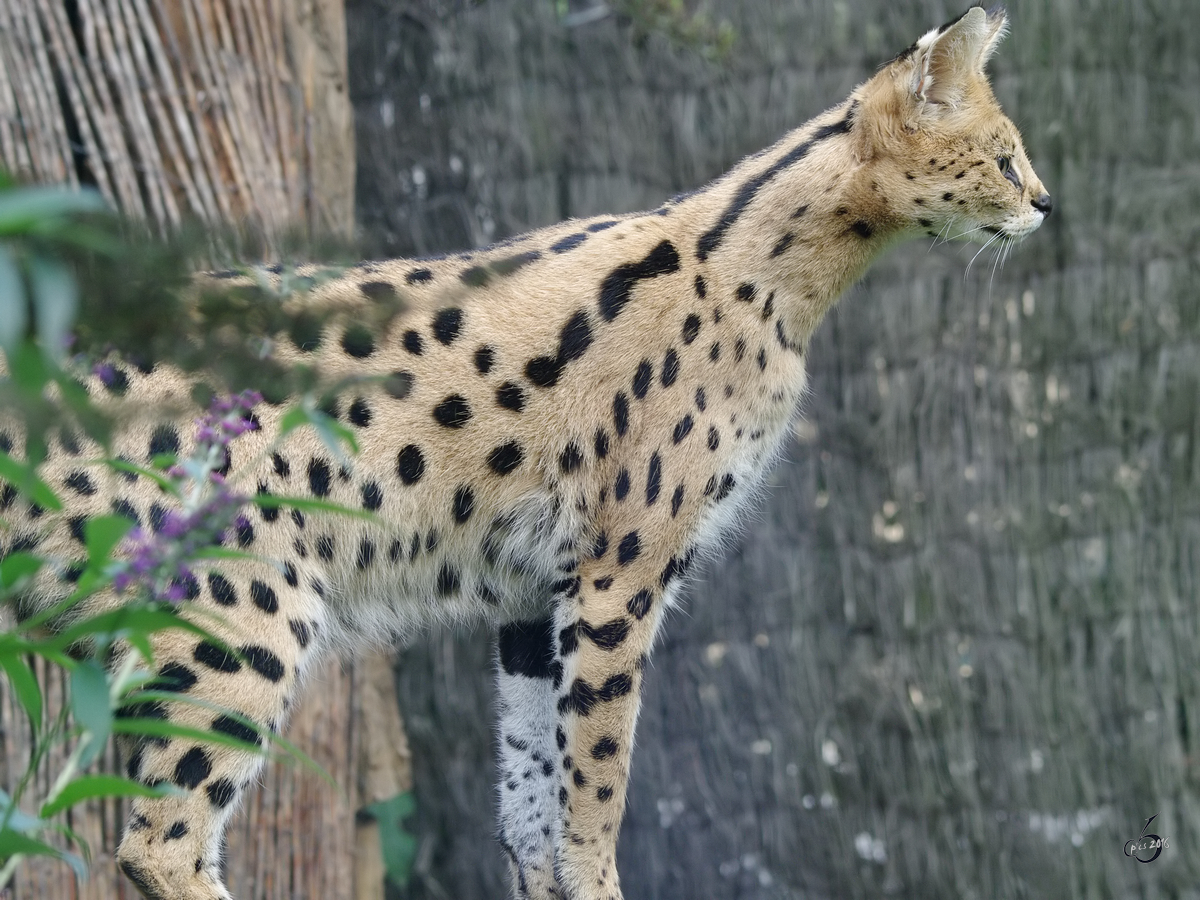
722,317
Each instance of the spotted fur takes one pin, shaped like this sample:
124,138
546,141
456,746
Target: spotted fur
551,435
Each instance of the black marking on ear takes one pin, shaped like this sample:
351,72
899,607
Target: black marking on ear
527,648
447,323
712,238
618,285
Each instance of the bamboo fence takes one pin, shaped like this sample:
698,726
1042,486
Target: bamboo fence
219,111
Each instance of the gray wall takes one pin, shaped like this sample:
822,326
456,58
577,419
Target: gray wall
962,632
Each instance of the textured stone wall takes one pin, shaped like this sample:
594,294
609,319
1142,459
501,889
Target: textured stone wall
955,654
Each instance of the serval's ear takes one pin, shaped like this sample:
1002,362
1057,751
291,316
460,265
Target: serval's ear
946,59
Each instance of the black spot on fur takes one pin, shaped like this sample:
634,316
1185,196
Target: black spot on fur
544,371
618,285
366,554
762,358
447,580
506,458
691,328
621,413
245,533
221,792
862,228
485,358
714,352
372,496
281,466
360,413
629,548
290,575
475,276
575,338
571,458
653,479
682,429
608,636
264,597
164,440
380,290
769,306
222,591
641,378
452,412
235,729
216,658
712,238
701,287
418,276
411,465
319,477
263,661
570,242
325,547
670,370
398,384
604,583
604,748
782,244
621,486
193,767
616,686
676,500
80,483
527,648
639,604
601,443
511,396
746,292
464,503
301,630
413,343
581,698
447,323
604,793
358,341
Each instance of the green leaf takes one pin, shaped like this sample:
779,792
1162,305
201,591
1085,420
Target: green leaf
88,786
328,429
398,844
25,686
16,568
13,842
16,819
310,504
55,300
14,314
22,476
101,535
37,209
117,622
90,707
158,478
162,728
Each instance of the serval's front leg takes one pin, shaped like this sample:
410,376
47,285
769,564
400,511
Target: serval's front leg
604,633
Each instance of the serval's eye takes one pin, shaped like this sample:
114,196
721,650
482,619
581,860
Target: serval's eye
1005,164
